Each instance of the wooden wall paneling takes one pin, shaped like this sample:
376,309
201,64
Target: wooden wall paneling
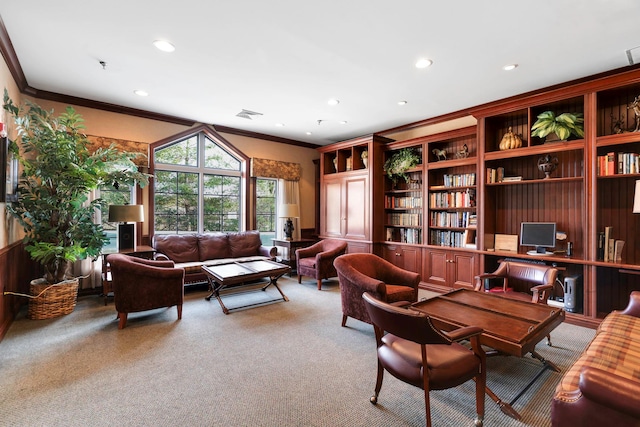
16,271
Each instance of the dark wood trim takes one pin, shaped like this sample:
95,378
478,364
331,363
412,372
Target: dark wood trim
10,57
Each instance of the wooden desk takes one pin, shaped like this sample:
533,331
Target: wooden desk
292,246
510,326
142,251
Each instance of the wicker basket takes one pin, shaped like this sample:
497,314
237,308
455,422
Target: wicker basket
56,300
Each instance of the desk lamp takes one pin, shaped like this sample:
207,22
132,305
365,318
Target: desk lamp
289,211
125,214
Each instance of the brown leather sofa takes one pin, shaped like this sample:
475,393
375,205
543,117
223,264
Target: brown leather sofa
192,251
141,284
603,387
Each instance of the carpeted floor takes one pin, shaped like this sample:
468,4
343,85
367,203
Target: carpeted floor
282,364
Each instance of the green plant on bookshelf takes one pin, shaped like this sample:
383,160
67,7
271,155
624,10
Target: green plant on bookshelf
399,163
564,125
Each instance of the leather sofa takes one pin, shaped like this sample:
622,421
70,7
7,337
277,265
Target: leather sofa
603,387
192,251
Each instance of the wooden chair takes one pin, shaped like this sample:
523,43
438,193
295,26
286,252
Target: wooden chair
415,352
539,279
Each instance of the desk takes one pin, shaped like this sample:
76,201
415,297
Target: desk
510,327
140,251
292,246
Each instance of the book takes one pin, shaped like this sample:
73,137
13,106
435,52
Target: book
601,246
608,252
512,178
617,251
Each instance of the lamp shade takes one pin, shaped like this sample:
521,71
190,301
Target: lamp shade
636,198
289,211
126,213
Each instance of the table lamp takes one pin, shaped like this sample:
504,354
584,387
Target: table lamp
289,211
125,214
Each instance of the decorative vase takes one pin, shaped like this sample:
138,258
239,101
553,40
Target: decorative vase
335,164
547,165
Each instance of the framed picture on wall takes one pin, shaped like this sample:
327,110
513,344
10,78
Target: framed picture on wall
9,182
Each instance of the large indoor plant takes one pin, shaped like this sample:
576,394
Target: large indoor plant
563,125
59,170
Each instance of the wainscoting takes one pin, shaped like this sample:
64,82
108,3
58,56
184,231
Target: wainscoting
16,271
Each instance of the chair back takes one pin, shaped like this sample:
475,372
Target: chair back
538,274
401,322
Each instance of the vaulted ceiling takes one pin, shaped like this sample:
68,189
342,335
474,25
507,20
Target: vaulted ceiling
281,62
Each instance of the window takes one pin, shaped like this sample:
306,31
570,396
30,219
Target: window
266,215
198,186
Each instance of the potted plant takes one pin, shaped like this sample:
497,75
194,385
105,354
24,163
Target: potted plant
401,161
564,125
59,169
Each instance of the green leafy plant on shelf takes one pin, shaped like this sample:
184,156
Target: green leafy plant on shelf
59,170
564,125
399,163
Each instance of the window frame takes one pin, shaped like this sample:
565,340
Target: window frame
202,132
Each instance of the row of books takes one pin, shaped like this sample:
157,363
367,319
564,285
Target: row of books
453,199
459,180
455,239
404,235
402,202
454,219
497,175
407,219
618,164
609,248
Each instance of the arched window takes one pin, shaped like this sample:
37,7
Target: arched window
199,184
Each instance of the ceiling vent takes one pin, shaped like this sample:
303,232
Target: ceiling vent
246,114
633,55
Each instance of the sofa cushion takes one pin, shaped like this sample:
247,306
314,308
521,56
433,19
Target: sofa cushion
213,246
245,243
178,247
621,324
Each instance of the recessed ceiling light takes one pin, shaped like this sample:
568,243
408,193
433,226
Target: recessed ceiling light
280,125
164,46
333,102
423,63
343,122
309,133
402,102
141,92
510,67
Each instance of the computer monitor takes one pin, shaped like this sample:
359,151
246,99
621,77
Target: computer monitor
542,235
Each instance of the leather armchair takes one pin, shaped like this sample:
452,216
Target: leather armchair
541,276
418,354
140,285
317,260
363,272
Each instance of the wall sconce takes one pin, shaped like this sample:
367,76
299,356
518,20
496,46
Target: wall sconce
289,211
125,214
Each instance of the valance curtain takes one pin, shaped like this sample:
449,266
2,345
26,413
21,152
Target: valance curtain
266,168
124,145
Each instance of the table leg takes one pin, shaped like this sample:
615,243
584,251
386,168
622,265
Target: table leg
273,280
215,292
504,406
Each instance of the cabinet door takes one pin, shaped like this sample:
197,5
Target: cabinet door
356,208
406,257
463,269
435,268
332,207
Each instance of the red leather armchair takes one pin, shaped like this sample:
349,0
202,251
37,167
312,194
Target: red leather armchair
317,260
140,285
362,272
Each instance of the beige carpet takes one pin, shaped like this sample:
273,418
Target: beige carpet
282,364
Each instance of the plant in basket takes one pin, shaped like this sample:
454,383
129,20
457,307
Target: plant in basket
59,170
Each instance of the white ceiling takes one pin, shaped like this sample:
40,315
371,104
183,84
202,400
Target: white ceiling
286,59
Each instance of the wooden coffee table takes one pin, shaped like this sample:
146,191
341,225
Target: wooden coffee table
244,273
510,327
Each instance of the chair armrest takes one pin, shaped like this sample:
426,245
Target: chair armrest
463,333
395,275
154,262
611,391
161,257
365,283
401,304
541,293
633,308
482,277
267,251
308,252
330,254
